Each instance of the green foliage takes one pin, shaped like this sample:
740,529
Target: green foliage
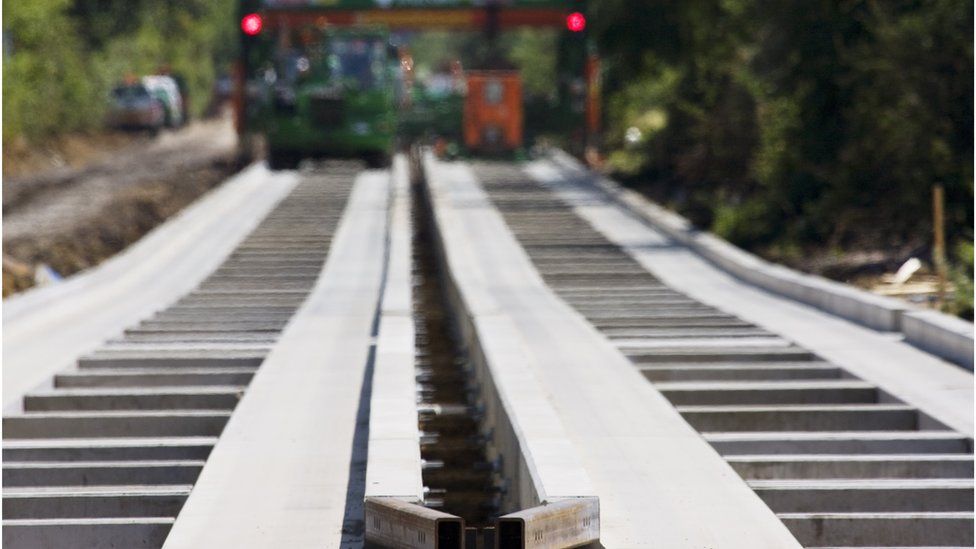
962,279
531,51
46,69
795,123
67,55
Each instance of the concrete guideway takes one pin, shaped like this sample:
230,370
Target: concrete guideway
534,455
659,483
940,389
46,329
110,453
842,461
279,473
250,412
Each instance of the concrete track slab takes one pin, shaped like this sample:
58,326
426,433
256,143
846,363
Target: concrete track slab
659,484
280,473
46,329
938,388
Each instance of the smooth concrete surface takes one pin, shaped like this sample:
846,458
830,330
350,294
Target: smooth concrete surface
659,483
394,466
939,389
939,334
46,329
280,473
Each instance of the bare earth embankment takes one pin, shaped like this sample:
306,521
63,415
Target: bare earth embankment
74,218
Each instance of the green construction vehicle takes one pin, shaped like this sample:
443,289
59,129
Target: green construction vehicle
324,92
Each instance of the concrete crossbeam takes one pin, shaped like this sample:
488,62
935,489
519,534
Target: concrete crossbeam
781,371
173,359
837,417
154,377
93,502
866,495
853,466
106,533
106,449
78,473
780,392
840,442
890,529
115,424
166,398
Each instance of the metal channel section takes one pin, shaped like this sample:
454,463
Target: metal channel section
108,456
840,462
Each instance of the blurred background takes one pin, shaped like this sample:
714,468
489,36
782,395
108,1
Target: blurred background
809,132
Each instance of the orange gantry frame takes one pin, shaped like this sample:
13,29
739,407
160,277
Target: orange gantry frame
493,111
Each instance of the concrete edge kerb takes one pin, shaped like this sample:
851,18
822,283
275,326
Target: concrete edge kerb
394,464
940,334
937,333
510,388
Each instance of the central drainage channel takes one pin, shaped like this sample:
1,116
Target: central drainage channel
457,475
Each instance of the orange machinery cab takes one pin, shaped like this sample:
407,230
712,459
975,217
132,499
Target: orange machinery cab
493,111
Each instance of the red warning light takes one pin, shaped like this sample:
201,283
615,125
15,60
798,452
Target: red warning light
576,22
252,24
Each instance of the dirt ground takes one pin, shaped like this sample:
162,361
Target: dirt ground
72,217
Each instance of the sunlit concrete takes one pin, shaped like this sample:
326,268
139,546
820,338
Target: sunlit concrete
46,329
939,389
659,483
283,472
